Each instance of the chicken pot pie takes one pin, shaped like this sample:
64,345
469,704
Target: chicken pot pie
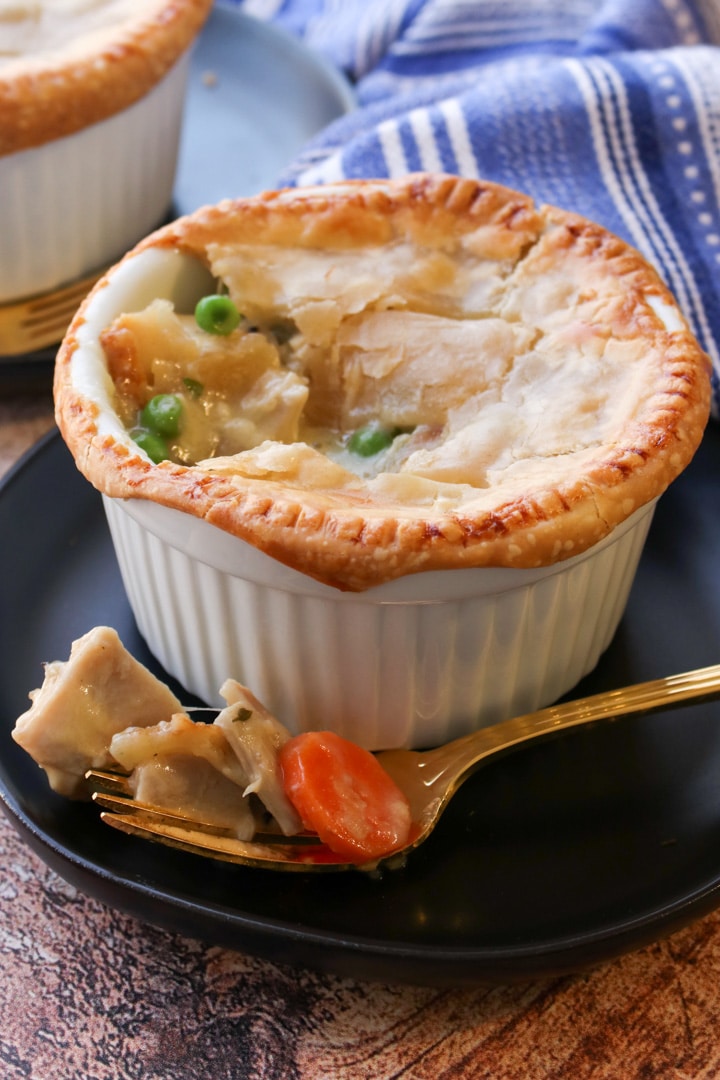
91,104
66,64
422,374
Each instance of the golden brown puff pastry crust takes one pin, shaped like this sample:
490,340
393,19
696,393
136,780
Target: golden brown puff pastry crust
117,52
586,397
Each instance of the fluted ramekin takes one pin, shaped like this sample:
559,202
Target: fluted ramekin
414,662
78,203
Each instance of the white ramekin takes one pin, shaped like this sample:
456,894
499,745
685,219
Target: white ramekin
75,204
413,663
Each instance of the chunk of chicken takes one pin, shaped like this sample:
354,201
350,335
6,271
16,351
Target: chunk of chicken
187,767
103,709
185,784
256,737
100,690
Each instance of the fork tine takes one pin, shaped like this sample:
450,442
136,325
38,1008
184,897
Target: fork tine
119,800
125,805
272,850
62,299
111,791
41,320
108,782
225,848
42,325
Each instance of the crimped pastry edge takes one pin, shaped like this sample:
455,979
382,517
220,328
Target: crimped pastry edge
355,545
42,99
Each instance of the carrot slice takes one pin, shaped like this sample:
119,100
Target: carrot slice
342,793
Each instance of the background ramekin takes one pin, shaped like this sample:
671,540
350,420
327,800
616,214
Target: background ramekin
77,203
414,662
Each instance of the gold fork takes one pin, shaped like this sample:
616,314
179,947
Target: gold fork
429,779
39,321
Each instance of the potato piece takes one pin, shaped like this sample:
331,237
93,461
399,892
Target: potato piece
83,702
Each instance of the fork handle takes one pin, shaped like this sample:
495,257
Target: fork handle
448,765
702,684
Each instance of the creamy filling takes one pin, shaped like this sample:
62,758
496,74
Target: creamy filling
422,374
32,27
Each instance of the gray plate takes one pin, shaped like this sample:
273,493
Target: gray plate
255,97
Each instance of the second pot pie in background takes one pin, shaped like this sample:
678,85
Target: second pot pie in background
91,96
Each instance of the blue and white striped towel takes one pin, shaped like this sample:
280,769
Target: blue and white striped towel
607,107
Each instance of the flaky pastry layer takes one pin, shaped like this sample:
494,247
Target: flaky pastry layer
65,67
562,386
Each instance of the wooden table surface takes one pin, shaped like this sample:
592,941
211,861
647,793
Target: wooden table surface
90,994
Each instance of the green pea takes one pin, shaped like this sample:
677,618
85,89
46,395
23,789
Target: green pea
193,387
162,415
217,314
154,445
370,440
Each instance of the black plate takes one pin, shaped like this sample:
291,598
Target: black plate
560,855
